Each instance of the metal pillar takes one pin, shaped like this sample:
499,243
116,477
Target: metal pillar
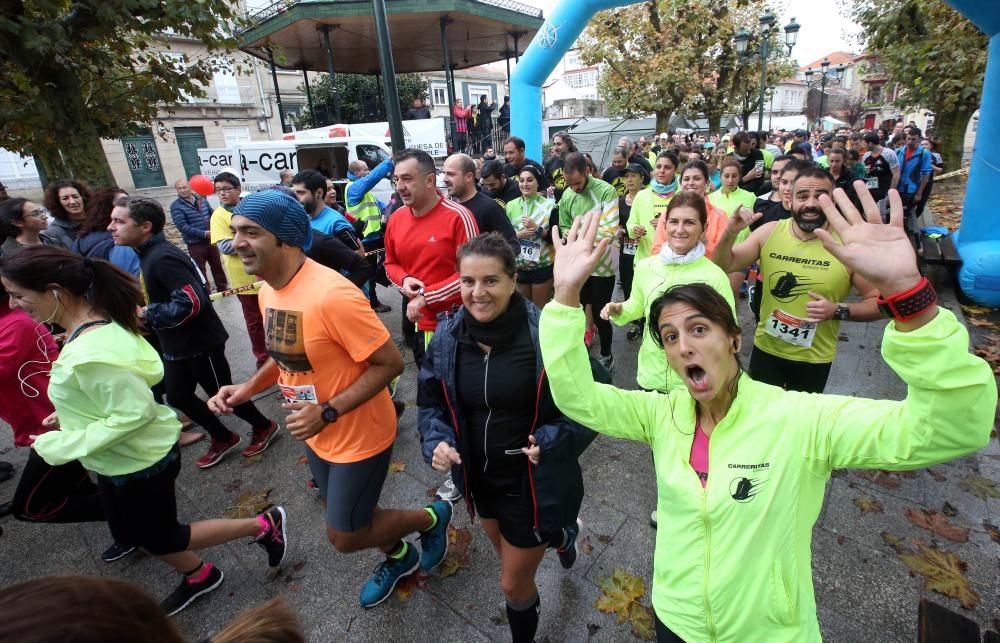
389,76
765,49
822,98
517,36
325,30
277,92
449,79
309,98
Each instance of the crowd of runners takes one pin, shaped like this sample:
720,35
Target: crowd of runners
511,280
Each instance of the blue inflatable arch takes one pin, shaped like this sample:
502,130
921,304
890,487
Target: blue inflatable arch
978,240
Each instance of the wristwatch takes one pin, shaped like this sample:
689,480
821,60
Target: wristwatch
330,414
843,313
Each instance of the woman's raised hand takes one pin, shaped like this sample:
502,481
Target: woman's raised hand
576,257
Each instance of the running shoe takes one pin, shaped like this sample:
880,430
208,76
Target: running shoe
275,541
116,551
312,486
652,519
383,580
260,440
588,335
633,332
217,451
381,308
567,553
608,362
400,408
448,491
434,541
188,591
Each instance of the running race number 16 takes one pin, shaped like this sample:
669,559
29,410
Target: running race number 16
790,329
530,252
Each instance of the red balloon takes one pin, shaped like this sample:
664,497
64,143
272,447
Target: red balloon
202,185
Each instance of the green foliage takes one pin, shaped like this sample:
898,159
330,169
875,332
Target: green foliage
93,69
931,50
935,54
353,90
675,55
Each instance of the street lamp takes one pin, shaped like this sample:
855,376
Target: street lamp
767,28
838,73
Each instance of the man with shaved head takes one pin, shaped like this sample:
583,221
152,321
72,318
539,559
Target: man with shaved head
459,174
192,215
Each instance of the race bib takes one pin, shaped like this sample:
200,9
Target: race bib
530,252
630,247
304,393
790,329
871,183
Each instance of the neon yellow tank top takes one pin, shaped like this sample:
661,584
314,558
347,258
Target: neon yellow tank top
791,269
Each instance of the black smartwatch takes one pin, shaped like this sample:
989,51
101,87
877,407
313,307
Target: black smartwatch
843,313
330,414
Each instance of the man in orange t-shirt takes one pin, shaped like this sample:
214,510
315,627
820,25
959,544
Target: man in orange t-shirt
333,360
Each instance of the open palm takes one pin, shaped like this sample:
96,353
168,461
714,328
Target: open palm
576,259
881,253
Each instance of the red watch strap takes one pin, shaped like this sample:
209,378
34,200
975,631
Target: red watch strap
907,305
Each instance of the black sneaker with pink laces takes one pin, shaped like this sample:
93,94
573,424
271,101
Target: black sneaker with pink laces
275,539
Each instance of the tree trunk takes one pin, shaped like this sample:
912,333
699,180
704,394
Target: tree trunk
662,121
78,154
949,129
714,118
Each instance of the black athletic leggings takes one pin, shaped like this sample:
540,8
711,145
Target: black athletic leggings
664,633
597,292
55,494
211,371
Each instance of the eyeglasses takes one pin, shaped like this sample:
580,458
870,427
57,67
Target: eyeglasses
40,213
224,190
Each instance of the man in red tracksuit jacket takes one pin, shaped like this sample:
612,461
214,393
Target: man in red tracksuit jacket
421,240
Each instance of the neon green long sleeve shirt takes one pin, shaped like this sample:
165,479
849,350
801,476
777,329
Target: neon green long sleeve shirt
733,560
108,419
596,195
652,278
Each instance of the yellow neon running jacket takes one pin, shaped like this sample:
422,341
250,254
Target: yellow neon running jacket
733,561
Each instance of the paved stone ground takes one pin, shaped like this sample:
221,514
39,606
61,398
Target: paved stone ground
864,593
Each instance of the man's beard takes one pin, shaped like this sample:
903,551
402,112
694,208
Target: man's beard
813,224
309,204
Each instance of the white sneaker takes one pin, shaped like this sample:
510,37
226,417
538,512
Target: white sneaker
652,519
607,362
448,491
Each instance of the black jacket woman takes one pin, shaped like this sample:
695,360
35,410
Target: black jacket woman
488,417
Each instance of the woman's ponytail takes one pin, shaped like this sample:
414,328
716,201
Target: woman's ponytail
107,288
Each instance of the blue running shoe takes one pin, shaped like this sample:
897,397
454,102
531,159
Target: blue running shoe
434,542
389,572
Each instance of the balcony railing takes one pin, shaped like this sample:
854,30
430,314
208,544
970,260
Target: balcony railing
283,5
240,96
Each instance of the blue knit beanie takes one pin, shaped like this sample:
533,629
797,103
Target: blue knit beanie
280,214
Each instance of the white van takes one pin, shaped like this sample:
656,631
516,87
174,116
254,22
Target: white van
260,163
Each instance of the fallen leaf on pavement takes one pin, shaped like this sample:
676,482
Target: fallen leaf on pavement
970,309
232,486
879,477
252,460
943,571
937,475
603,539
302,460
249,504
867,504
840,539
416,580
459,544
620,594
397,466
948,509
585,545
993,531
979,486
937,523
